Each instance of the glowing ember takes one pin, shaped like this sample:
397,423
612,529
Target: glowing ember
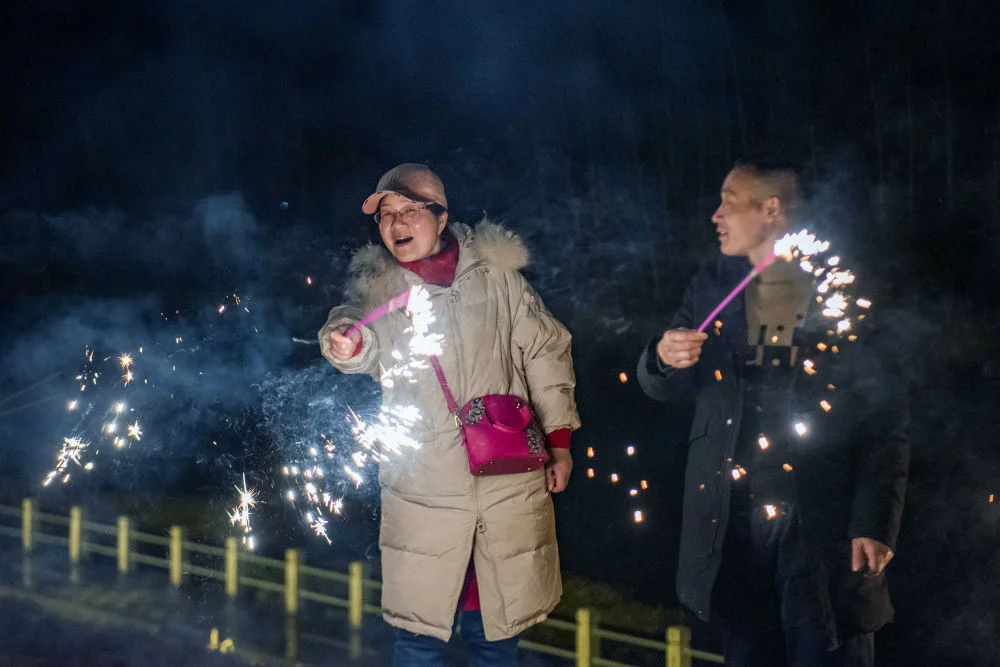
614,478
771,511
590,473
134,430
633,492
809,367
630,450
800,428
644,485
590,452
763,442
786,467
623,377
718,375
825,405
638,516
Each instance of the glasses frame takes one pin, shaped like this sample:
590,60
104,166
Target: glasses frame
410,211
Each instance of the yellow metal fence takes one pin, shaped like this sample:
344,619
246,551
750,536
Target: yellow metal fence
242,568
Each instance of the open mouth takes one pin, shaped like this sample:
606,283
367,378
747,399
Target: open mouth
402,241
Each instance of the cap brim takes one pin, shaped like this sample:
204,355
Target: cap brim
370,206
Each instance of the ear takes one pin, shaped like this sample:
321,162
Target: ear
442,222
772,207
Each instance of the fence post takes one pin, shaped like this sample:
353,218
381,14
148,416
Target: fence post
356,607
678,646
176,555
123,544
292,559
232,567
587,645
28,524
356,595
75,533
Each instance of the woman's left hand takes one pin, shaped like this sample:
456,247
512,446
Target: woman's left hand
557,469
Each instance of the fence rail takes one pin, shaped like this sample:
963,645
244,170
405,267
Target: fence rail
586,651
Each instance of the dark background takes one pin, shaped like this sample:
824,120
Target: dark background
156,157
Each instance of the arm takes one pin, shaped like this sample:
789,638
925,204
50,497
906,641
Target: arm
660,381
545,352
366,359
882,456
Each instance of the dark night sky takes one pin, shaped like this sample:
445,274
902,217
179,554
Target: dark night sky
147,149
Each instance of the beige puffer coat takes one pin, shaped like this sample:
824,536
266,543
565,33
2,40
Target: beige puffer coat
498,338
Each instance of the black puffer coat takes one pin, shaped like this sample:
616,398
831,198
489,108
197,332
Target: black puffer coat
849,469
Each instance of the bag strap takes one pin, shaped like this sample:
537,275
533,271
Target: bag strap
452,406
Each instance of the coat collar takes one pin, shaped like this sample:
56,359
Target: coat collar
376,277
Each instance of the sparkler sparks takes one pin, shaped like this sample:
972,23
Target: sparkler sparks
240,514
71,451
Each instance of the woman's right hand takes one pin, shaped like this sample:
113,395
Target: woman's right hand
342,346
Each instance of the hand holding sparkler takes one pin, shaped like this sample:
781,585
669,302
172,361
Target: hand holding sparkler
344,341
680,348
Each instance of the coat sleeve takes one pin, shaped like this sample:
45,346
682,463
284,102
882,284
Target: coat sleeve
544,344
366,361
882,456
665,383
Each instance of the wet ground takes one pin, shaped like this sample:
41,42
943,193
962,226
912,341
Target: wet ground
99,618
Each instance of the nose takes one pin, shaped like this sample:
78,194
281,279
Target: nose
717,216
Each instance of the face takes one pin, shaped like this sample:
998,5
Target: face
409,230
746,226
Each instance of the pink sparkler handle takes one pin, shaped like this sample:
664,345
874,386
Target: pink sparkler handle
754,272
395,303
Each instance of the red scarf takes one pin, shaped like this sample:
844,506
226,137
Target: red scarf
437,269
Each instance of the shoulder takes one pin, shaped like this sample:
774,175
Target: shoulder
720,271
374,275
494,244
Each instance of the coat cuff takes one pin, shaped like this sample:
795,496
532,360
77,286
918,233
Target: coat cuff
559,438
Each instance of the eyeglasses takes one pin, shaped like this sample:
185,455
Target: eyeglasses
408,214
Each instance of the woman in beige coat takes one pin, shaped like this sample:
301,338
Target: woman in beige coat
444,532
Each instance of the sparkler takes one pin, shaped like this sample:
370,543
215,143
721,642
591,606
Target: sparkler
395,303
391,432
800,244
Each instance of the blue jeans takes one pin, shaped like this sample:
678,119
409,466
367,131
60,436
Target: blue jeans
413,650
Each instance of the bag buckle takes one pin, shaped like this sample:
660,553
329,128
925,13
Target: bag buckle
458,418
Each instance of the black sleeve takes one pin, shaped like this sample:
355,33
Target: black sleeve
665,383
882,453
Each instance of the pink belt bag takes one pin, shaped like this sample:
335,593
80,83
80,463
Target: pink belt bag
502,436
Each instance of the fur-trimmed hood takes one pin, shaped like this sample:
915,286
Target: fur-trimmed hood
376,277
